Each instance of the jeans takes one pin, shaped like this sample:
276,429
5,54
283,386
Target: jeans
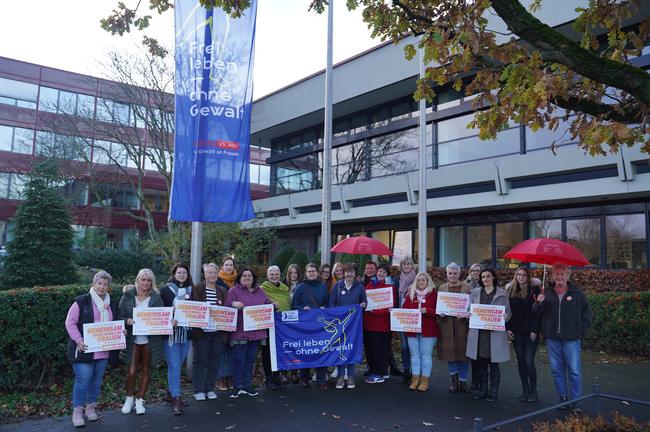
224,369
321,375
175,356
406,353
87,381
459,367
205,363
525,350
564,357
421,354
346,369
243,356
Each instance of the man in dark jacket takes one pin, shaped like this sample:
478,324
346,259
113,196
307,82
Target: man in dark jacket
566,318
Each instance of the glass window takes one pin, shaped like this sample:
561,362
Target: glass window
265,175
626,241
340,128
448,98
74,191
395,163
430,247
121,112
451,245
23,140
18,93
350,163
402,247
4,185
379,118
456,128
551,228
402,110
508,236
104,110
17,186
585,235
544,137
67,102
6,137
479,244
254,171
474,148
359,123
296,174
48,100
85,106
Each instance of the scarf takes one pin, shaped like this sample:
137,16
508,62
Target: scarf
103,305
180,333
421,295
277,293
405,281
228,278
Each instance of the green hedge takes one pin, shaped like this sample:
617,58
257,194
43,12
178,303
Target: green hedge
33,341
122,264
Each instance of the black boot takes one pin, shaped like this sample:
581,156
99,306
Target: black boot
277,381
495,378
482,393
475,378
525,391
406,377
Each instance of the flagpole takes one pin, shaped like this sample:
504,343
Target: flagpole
422,177
326,228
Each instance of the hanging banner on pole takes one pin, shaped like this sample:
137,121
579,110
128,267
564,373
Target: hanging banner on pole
214,90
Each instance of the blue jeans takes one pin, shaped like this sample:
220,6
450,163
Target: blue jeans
88,377
243,356
421,354
349,369
205,363
459,367
224,369
175,356
564,357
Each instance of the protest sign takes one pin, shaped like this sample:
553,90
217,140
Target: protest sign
406,320
380,298
104,336
452,304
152,321
487,317
258,317
317,338
191,313
222,318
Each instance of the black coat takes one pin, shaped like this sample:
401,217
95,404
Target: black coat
569,320
86,316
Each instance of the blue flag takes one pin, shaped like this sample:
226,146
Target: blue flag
317,338
214,89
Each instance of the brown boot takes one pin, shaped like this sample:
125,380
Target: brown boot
424,384
415,380
178,406
453,388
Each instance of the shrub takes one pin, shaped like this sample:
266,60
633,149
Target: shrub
297,258
122,264
282,258
619,423
316,258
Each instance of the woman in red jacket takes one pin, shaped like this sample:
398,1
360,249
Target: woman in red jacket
422,295
377,334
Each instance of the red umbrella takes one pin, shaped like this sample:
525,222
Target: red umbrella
361,246
547,251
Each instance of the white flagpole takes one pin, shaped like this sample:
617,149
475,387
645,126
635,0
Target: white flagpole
326,228
422,176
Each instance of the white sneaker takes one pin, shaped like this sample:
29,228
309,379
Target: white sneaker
212,395
128,405
313,377
335,374
139,406
199,396
340,382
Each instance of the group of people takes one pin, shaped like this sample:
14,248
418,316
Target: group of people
226,360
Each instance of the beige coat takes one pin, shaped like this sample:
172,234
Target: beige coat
499,350
452,343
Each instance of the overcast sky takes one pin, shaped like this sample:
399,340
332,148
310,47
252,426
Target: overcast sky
290,41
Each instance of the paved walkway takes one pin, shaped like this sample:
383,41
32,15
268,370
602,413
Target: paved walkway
379,407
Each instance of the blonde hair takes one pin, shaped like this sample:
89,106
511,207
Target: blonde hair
430,285
147,273
515,289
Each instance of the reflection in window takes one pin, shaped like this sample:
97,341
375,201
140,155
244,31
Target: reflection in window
74,191
543,138
451,245
479,244
394,153
585,235
18,93
508,235
265,175
17,140
295,174
62,146
473,148
431,247
350,163
65,102
551,228
626,241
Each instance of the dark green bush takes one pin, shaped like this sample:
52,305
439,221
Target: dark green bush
297,258
122,264
282,258
316,258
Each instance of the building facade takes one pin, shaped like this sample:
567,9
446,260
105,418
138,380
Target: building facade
79,119
483,197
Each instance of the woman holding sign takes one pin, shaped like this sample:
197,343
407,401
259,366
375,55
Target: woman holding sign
208,344
422,296
94,307
245,344
344,293
489,347
141,351
178,288
376,329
